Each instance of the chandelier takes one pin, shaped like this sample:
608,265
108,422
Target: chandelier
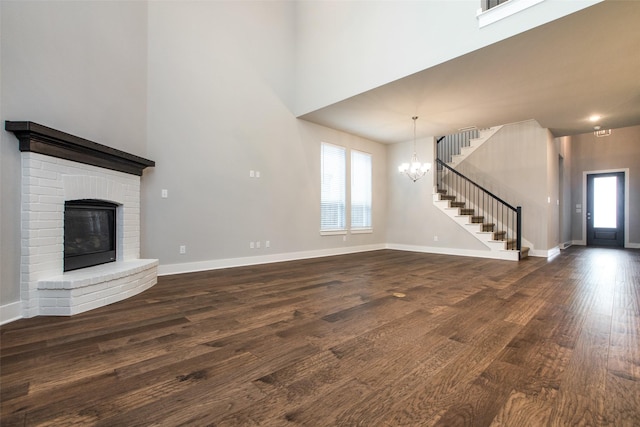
414,169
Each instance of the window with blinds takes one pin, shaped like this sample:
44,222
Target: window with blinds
360,190
333,191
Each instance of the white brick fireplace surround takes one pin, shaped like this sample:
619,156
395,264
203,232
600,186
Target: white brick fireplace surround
51,176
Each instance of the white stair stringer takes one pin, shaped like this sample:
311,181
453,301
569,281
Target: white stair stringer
497,247
485,134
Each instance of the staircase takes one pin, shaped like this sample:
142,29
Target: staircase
485,216
497,240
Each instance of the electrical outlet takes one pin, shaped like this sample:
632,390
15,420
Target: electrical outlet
267,244
252,245
258,244
164,193
183,249
252,174
257,174
435,238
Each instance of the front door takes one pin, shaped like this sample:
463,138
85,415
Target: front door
605,209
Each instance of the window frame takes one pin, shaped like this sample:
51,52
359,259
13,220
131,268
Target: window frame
347,189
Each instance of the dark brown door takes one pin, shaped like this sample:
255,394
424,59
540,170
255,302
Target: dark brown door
605,209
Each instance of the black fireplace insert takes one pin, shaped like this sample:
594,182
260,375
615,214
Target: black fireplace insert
89,233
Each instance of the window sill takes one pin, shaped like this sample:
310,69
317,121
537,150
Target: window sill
503,10
361,230
332,232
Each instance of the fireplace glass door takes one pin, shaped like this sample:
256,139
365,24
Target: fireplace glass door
89,233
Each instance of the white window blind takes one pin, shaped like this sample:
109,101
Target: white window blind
333,200
360,190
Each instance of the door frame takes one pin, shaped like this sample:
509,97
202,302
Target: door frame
626,202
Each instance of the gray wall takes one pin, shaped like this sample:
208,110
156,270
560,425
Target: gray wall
413,220
76,66
217,109
202,88
564,185
589,153
517,166
553,193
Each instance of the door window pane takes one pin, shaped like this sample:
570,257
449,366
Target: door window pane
605,202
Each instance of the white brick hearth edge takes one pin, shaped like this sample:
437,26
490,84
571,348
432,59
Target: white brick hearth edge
47,182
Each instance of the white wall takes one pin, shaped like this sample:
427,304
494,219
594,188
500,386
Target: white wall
217,109
348,47
79,67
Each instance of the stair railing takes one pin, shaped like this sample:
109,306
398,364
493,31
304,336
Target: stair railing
489,4
450,145
508,219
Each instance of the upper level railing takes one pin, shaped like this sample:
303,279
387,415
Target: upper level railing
451,144
488,4
505,218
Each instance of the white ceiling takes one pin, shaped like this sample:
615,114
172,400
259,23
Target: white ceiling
558,74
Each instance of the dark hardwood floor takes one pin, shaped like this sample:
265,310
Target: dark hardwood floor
383,338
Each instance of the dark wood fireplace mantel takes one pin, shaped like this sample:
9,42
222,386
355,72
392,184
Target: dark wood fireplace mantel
51,142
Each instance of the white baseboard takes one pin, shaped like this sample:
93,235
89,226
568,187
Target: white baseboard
192,267
216,264
504,255
10,312
545,253
628,245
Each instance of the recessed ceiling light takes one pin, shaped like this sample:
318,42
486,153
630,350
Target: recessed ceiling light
594,118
